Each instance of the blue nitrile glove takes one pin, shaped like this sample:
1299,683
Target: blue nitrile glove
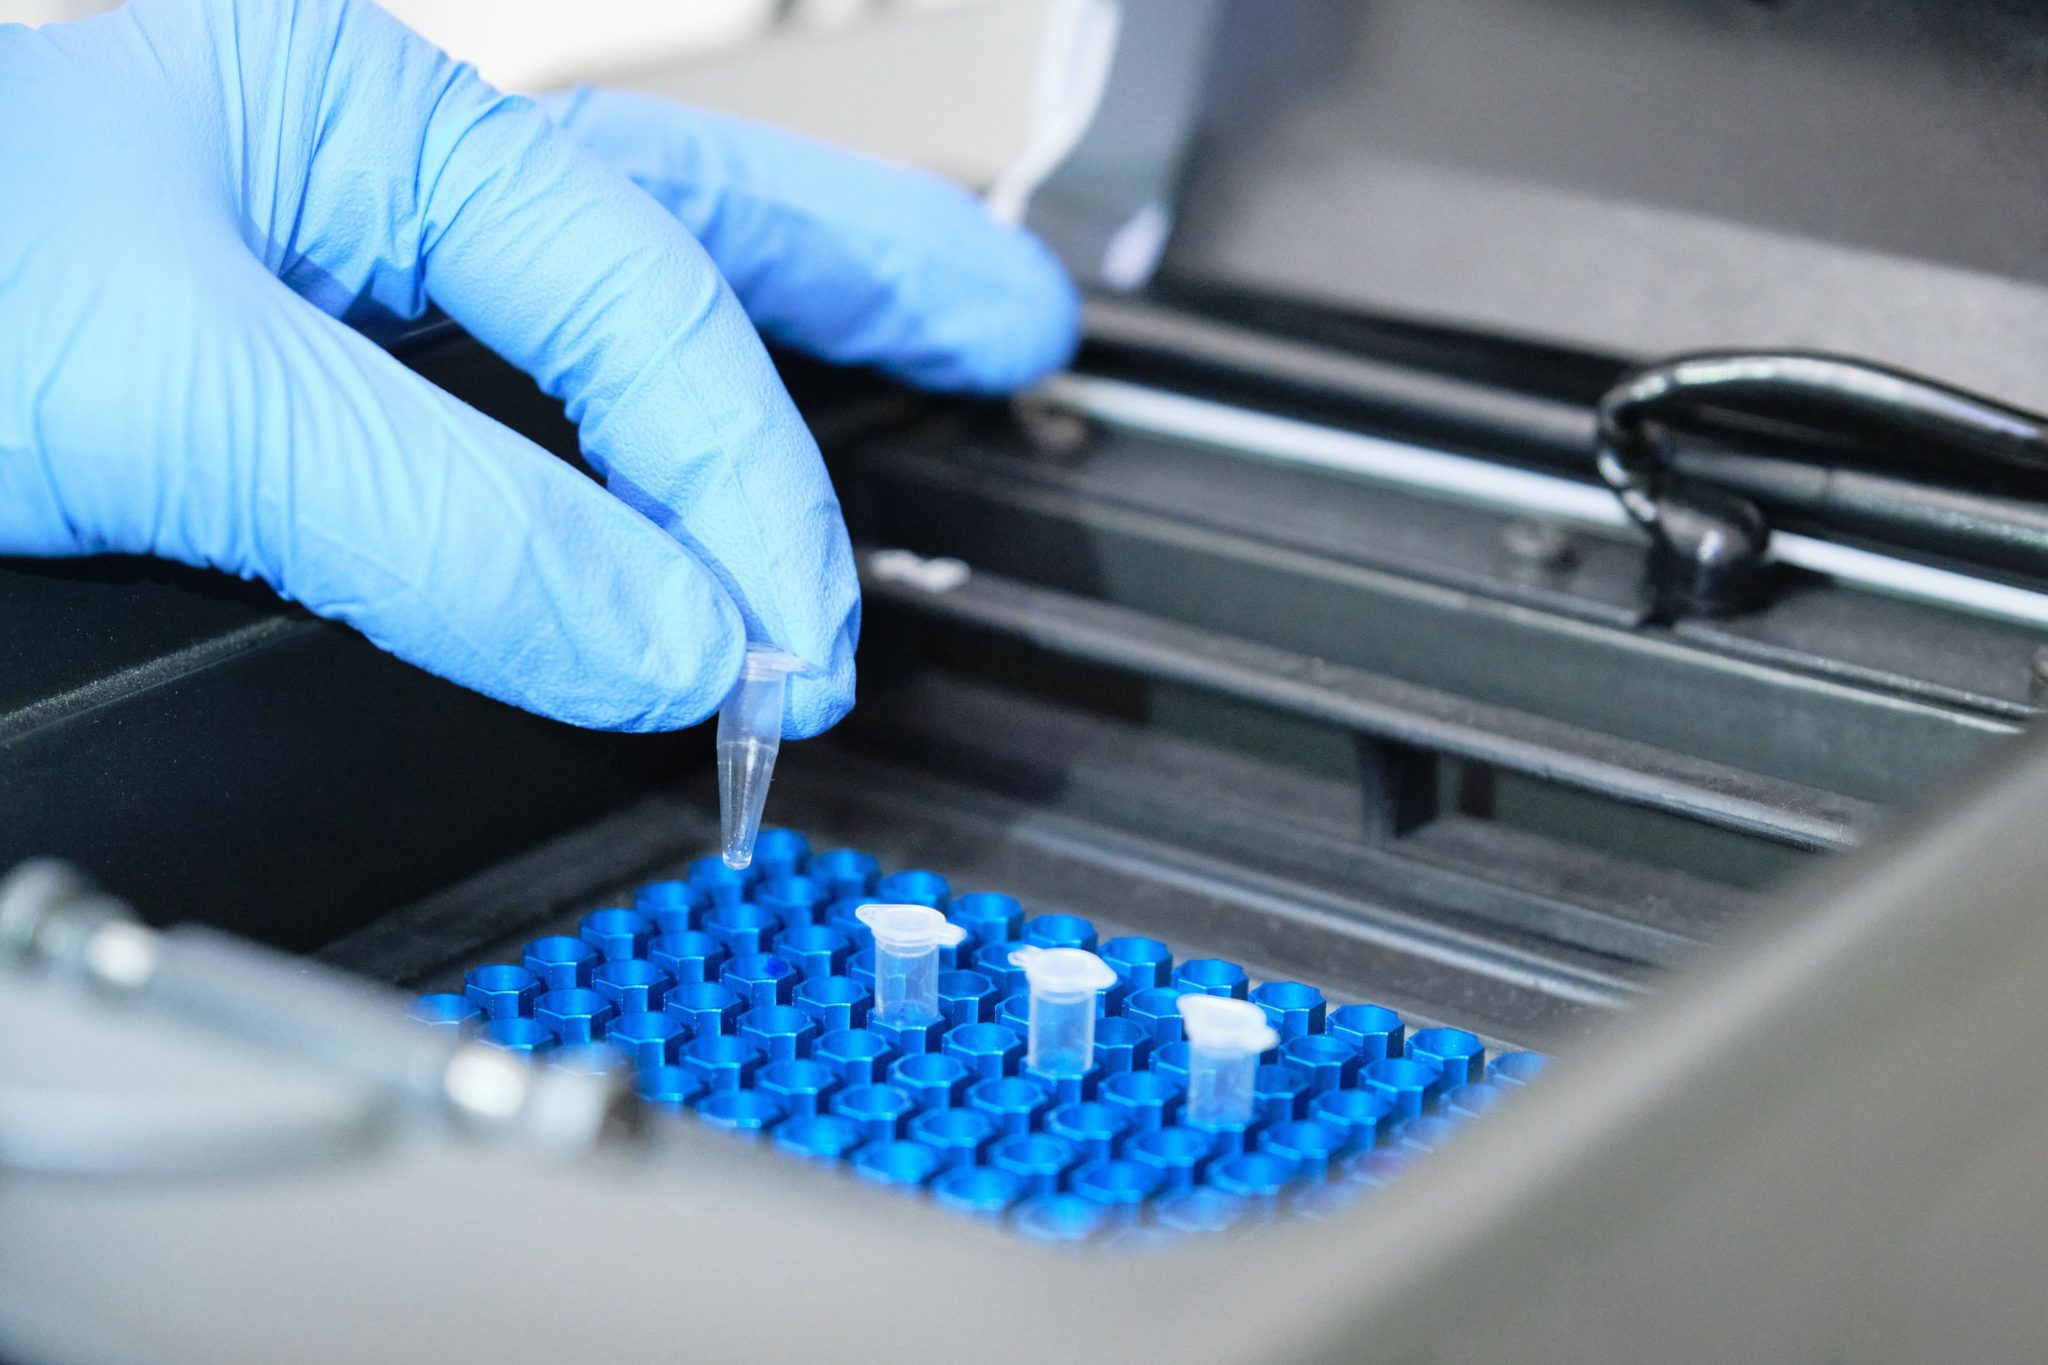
197,195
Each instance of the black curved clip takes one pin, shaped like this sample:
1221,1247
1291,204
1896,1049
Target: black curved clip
1709,549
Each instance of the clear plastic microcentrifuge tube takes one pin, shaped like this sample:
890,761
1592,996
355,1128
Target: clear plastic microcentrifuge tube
749,735
1225,1038
907,943
1064,982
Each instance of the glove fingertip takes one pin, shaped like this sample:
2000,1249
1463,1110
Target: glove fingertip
815,707
1046,329
1016,321
820,700
659,652
705,646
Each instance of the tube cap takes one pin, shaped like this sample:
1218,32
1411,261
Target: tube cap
909,928
1220,1023
1063,973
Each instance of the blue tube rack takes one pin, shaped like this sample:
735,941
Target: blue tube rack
742,998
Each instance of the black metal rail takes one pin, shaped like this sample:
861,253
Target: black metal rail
1388,708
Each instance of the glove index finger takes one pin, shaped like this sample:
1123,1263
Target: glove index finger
844,256
309,458
566,269
462,547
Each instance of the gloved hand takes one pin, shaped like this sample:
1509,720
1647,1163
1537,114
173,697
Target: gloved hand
198,196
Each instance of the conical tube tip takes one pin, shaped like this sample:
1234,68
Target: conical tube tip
749,736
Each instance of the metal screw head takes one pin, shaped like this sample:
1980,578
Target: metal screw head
1052,431
1542,546
2037,675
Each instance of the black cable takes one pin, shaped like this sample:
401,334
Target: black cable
1708,544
